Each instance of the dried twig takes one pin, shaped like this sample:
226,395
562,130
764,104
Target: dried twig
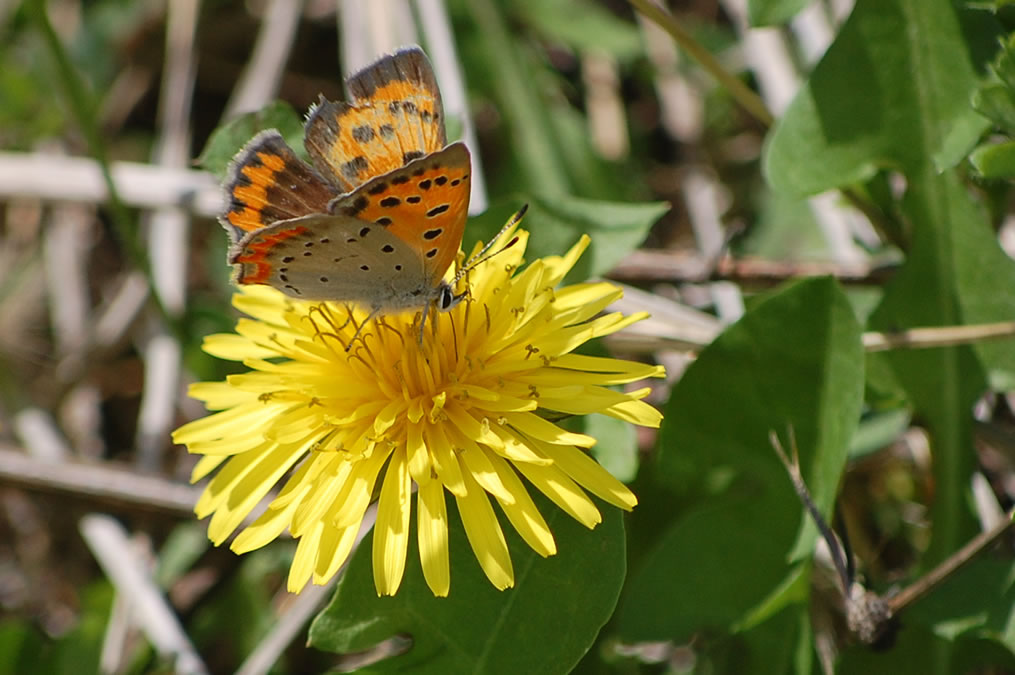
79,179
103,483
109,543
263,72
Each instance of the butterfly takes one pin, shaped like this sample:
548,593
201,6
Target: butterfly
379,215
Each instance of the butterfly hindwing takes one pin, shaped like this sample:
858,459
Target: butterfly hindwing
395,116
333,257
423,204
267,183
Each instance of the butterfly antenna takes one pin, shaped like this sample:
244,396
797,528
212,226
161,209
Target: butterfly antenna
482,257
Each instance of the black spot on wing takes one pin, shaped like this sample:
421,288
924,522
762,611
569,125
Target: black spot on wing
400,180
411,155
440,180
362,134
388,248
378,189
358,205
390,202
414,199
432,234
354,167
437,210
364,232
431,253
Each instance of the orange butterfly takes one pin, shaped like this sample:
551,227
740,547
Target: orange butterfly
379,217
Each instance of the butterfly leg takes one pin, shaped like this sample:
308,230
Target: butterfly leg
359,329
422,323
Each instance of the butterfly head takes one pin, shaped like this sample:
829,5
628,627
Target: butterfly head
447,299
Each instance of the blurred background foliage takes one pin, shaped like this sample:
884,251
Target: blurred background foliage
878,201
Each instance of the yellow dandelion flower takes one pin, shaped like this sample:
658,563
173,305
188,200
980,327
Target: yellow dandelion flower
459,414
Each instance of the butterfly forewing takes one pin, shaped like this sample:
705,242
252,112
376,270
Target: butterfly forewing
424,204
267,183
395,116
324,257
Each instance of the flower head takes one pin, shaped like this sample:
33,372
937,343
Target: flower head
459,414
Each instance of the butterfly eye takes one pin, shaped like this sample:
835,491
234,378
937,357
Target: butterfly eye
447,298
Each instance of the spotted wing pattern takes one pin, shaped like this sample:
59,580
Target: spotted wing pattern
334,257
267,183
394,117
424,204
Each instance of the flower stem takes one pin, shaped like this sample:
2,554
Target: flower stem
741,92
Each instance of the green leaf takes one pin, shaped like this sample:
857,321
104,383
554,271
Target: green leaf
181,551
955,274
227,140
543,625
996,102
582,25
771,12
556,223
512,70
995,160
794,359
978,600
892,92
616,447
23,648
878,431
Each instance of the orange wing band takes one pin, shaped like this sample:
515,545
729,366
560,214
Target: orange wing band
254,265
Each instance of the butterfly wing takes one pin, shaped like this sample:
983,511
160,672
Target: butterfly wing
395,116
340,258
267,183
423,204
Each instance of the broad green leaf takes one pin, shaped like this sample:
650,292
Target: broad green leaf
955,274
793,360
995,160
616,447
227,140
891,92
771,12
545,624
556,223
